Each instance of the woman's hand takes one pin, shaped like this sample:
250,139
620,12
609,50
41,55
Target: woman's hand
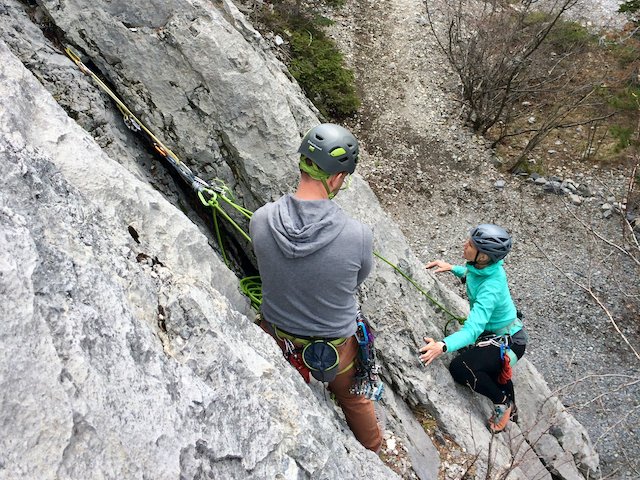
442,266
431,350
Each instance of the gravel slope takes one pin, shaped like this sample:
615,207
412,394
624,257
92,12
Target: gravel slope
435,179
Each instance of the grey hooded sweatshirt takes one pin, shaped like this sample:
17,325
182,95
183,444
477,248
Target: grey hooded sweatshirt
311,258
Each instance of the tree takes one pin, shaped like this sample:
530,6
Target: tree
490,45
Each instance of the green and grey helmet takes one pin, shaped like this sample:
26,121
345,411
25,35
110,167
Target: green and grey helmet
491,240
332,148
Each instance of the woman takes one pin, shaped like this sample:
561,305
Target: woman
492,325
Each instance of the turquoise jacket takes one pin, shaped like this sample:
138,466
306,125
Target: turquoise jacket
491,306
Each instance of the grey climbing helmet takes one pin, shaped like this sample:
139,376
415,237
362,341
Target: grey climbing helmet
491,240
332,148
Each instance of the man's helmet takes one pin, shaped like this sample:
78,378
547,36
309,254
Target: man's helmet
491,240
332,148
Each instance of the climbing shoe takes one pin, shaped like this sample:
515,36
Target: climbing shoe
514,413
501,416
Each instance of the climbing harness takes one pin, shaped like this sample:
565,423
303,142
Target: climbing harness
507,355
366,381
319,357
311,355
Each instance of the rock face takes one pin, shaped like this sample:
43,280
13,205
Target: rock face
200,76
91,383
128,349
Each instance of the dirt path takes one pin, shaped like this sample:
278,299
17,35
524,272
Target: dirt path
435,179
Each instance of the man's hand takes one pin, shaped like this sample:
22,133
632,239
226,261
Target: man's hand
442,266
431,350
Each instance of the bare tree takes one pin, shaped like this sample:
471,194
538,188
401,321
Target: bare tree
555,118
490,45
524,441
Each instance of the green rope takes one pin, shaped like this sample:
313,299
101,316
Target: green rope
252,288
215,223
453,317
215,206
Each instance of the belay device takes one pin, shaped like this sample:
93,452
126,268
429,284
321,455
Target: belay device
366,381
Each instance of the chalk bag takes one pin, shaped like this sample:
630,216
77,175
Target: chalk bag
322,359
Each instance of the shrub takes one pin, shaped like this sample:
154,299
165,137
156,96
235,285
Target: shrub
568,36
314,60
623,135
626,99
318,66
631,9
625,53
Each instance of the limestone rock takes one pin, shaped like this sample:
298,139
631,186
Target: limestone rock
199,76
575,199
93,385
138,358
424,456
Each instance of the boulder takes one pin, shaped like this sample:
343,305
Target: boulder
585,190
575,199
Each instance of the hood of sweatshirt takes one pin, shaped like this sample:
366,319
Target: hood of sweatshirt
302,227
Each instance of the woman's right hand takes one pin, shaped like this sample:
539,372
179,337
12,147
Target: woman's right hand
442,266
431,350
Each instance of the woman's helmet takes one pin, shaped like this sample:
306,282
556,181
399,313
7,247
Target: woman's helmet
333,148
491,240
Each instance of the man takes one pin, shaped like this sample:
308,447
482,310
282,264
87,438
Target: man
311,258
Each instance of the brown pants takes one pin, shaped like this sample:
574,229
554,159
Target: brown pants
359,412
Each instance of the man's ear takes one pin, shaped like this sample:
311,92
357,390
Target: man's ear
333,180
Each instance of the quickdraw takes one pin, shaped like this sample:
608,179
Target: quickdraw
495,340
366,381
293,355
210,195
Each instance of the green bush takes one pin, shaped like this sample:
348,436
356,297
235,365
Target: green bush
626,99
631,9
624,53
632,6
315,61
318,66
623,135
568,36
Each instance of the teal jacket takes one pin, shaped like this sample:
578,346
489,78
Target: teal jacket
491,306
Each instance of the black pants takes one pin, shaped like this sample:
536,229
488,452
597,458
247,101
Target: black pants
479,369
